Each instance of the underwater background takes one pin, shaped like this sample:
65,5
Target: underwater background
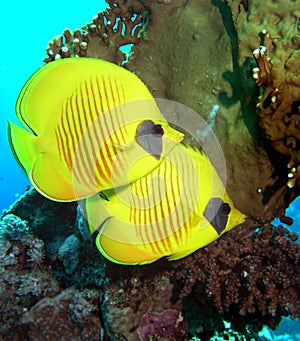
32,24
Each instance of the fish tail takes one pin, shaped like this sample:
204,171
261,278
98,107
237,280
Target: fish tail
23,145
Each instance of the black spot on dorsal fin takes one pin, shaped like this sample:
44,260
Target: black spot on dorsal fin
149,136
216,212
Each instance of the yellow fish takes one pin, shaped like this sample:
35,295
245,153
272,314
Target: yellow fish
91,125
179,207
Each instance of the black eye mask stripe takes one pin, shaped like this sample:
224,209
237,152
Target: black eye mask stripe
149,136
217,212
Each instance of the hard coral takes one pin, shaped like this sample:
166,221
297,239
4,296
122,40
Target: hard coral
275,27
12,228
247,278
116,26
19,247
25,278
279,104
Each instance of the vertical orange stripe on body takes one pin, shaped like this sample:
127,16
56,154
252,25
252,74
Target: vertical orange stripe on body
171,197
80,131
148,227
120,100
111,126
155,229
82,161
186,190
142,218
137,221
164,236
88,138
108,158
63,137
59,143
96,144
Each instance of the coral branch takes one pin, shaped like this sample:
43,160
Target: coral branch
103,37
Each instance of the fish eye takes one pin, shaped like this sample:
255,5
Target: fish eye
225,208
157,129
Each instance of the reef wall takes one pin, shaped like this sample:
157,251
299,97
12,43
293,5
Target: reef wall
199,53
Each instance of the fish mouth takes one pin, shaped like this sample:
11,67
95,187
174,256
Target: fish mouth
157,139
172,138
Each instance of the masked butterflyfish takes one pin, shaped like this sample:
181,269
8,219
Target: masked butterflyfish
90,125
179,207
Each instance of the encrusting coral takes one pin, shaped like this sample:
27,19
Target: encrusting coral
279,105
273,41
250,276
71,315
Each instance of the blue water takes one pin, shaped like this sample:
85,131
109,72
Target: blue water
27,26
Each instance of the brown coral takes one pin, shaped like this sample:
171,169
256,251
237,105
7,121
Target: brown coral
69,316
247,276
279,105
277,72
108,32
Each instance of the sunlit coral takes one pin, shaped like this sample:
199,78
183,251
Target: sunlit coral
104,37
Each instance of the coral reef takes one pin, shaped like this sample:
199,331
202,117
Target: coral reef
250,278
25,277
68,253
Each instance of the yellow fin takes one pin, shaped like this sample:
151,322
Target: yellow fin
42,173
96,211
119,242
181,254
46,178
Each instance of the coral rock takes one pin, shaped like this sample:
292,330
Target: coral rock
69,316
168,325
